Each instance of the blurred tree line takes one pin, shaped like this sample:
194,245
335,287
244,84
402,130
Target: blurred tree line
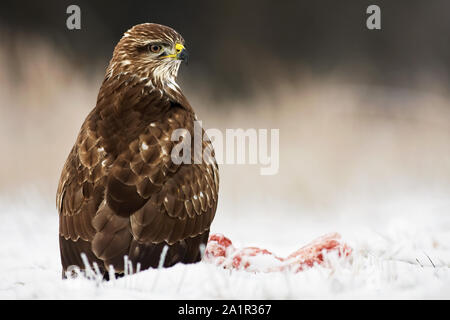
236,45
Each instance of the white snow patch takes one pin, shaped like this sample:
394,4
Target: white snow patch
405,255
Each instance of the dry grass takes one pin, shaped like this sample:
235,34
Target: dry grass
338,141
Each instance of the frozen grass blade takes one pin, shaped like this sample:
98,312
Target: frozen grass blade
419,262
430,260
91,273
202,249
162,259
125,265
112,273
138,267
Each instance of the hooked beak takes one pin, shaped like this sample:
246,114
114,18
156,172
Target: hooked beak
181,53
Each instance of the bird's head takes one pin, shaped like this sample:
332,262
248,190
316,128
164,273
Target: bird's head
150,51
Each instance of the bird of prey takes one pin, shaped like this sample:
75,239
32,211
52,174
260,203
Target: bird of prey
120,193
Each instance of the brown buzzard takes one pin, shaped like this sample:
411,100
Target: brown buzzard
120,194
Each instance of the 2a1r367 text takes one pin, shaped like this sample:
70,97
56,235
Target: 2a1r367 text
246,309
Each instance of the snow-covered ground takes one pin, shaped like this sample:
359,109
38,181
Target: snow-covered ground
401,250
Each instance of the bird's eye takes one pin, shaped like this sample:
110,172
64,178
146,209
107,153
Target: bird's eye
155,48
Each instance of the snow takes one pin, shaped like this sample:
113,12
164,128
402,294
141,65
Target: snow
401,250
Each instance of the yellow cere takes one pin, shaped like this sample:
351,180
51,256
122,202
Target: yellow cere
179,47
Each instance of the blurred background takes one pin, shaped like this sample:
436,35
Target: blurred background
364,115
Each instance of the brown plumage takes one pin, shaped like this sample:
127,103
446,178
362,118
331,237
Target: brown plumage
120,194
